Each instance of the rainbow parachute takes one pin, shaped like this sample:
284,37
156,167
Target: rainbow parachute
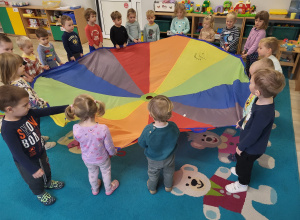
207,86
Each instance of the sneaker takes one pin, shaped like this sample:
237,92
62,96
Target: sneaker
232,169
46,138
168,189
236,187
151,191
49,145
95,192
113,186
46,198
55,185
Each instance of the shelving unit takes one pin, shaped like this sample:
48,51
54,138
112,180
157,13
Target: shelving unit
220,23
54,29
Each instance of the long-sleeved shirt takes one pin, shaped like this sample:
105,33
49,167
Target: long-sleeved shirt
48,55
208,35
118,35
23,137
180,25
33,66
34,100
276,63
93,34
159,143
151,33
72,43
95,142
253,39
133,30
256,128
230,36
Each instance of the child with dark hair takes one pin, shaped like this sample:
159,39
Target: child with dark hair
21,132
6,44
160,142
46,51
93,31
118,33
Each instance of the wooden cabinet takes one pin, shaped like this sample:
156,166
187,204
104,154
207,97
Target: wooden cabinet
44,15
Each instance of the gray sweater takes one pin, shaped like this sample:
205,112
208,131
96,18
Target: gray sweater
151,33
48,55
133,30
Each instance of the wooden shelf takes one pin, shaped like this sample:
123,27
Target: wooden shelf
286,63
46,28
55,24
36,17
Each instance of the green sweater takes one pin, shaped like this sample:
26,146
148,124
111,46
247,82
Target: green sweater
159,143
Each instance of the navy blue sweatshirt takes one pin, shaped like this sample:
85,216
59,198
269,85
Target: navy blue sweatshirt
258,126
72,43
23,137
118,35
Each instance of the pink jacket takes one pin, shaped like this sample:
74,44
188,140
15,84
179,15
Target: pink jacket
253,39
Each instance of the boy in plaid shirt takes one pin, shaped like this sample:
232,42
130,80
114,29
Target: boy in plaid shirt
33,67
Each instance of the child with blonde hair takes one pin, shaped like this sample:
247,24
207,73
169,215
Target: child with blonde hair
180,24
118,33
133,27
93,31
257,33
230,35
159,139
207,33
95,141
33,67
256,126
11,72
151,30
267,47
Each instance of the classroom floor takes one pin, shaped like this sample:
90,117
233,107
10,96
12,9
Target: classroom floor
295,95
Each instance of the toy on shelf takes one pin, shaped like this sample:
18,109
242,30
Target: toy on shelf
197,10
19,4
226,6
165,6
206,9
33,23
168,1
219,9
188,5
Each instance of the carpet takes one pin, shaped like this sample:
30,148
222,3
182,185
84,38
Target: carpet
203,162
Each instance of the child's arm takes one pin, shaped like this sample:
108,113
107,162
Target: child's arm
112,36
157,33
66,45
81,49
145,34
126,36
129,35
222,39
12,139
236,36
57,58
108,142
139,32
88,36
187,26
172,28
42,112
100,36
42,55
142,139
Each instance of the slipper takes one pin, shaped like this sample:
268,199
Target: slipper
114,185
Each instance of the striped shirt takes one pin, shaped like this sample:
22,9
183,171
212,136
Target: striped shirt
230,36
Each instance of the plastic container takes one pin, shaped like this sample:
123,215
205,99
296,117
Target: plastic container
164,25
248,28
51,4
281,33
71,14
295,8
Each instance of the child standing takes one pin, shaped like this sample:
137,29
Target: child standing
70,39
32,66
95,141
207,33
6,44
256,126
180,24
267,47
230,35
160,142
11,70
118,33
151,30
93,31
46,51
257,33
22,134
133,27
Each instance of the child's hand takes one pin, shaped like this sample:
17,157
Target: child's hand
72,58
38,173
81,54
244,55
237,125
101,44
243,52
61,63
96,47
135,41
46,67
139,40
238,151
117,46
227,48
124,45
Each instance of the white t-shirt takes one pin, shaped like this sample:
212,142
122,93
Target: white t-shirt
276,63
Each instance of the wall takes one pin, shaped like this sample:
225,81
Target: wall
84,4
